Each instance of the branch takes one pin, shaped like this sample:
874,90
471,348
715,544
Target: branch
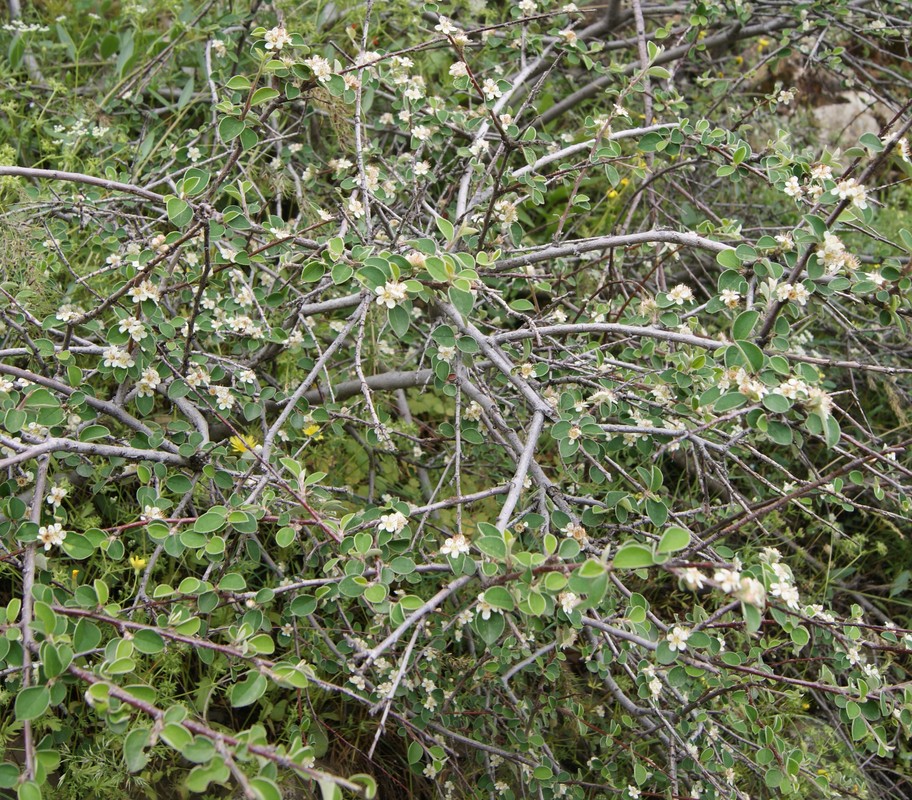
91,449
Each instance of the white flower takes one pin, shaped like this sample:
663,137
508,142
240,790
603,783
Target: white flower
490,89
276,39
850,189
355,207
578,532
655,687
527,370
729,580
693,578
569,36
393,523
730,297
904,151
445,26
455,546
134,327
632,792
752,592
145,291
818,401
391,294
197,376
786,96
568,601
219,46
458,70
320,67
224,400
821,173
484,609
445,353
51,535
68,312
505,211
145,386
56,495
151,512
796,292
681,294
117,357
787,593
194,154
422,133
792,188
677,638
528,7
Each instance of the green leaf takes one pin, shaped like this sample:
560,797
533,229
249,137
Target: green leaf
216,771
728,258
265,789
744,324
633,556
752,353
463,301
230,128
493,546
499,597
31,703
729,401
872,142
673,540
777,403
779,432
209,522
657,511
752,617
833,432
14,420
329,789
489,629
77,546
368,782
816,224
399,320
591,568
9,776
133,747
179,212
29,791
445,227
248,691
263,95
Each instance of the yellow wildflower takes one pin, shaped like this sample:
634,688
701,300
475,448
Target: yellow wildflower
242,443
311,429
138,562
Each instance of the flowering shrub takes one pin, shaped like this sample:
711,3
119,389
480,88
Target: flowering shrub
469,401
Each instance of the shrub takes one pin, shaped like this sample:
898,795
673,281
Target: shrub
476,401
